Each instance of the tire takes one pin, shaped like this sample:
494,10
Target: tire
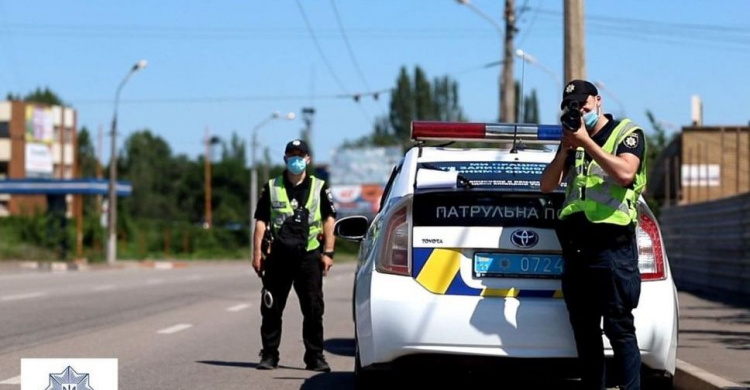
658,380
366,379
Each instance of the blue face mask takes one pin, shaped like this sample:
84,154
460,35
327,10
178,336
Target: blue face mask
296,164
590,119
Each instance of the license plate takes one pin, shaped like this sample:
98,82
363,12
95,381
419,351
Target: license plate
518,265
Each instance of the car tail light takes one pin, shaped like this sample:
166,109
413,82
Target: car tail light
650,253
395,258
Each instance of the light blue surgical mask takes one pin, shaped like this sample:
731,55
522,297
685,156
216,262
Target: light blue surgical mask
590,119
296,164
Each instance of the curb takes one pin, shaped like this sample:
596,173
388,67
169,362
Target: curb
690,377
63,266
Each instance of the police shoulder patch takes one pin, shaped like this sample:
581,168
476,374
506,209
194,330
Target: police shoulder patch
631,141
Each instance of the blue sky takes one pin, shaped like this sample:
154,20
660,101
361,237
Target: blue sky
227,65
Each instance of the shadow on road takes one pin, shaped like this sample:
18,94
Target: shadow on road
346,380
240,364
330,380
342,347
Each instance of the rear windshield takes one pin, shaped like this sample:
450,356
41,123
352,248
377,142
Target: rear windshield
487,208
496,175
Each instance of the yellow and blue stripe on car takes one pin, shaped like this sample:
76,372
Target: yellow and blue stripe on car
438,271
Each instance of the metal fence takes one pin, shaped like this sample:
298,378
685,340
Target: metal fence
708,245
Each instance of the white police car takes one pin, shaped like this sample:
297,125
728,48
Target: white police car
462,262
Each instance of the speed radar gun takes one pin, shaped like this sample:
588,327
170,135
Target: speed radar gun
571,118
265,250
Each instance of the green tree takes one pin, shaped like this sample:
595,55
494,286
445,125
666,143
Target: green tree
530,106
87,163
146,160
229,183
86,153
413,98
44,96
657,140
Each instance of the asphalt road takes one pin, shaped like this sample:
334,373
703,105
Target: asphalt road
196,327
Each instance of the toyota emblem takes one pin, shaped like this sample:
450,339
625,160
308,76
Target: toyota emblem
524,238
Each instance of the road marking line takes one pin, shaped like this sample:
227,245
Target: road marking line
239,307
175,329
104,287
12,381
22,296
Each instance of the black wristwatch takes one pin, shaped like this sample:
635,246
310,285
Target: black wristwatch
329,254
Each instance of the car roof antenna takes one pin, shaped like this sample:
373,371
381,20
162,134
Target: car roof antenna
521,112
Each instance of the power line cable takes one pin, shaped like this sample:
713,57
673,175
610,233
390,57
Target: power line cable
351,52
325,59
221,99
320,49
349,46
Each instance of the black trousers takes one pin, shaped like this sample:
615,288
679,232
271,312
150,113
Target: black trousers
603,282
305,274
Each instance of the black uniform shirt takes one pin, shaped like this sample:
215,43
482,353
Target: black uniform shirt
609,237
300,193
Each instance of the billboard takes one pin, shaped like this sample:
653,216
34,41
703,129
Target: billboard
357,177
39,137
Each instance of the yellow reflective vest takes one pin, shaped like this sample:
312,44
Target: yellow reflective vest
281,208
593,192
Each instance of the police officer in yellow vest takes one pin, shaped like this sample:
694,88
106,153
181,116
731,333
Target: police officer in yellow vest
602,161
297,209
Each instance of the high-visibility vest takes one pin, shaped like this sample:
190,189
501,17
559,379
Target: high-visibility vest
281,208
596,194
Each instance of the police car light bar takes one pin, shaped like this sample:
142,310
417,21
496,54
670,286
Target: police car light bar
484,132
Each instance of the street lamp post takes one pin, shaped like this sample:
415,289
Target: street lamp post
532,60
112,201
254,168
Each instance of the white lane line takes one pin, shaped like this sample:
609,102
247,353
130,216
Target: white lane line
104,287
12,381
22,296
175,329
152,282
239,307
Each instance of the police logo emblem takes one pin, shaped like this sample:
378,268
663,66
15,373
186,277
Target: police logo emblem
570,88
631,141
69,379
296,142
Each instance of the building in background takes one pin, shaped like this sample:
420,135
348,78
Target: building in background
357,177
702,163
37,141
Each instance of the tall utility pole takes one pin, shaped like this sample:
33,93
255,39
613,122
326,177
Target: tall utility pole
99,148
507,84
574,43
207,181
307,117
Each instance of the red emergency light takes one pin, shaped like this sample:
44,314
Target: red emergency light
484,132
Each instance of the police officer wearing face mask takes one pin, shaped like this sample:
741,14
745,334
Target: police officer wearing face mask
602,161
297,209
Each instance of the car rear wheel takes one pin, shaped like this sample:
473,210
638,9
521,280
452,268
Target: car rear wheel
658,380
